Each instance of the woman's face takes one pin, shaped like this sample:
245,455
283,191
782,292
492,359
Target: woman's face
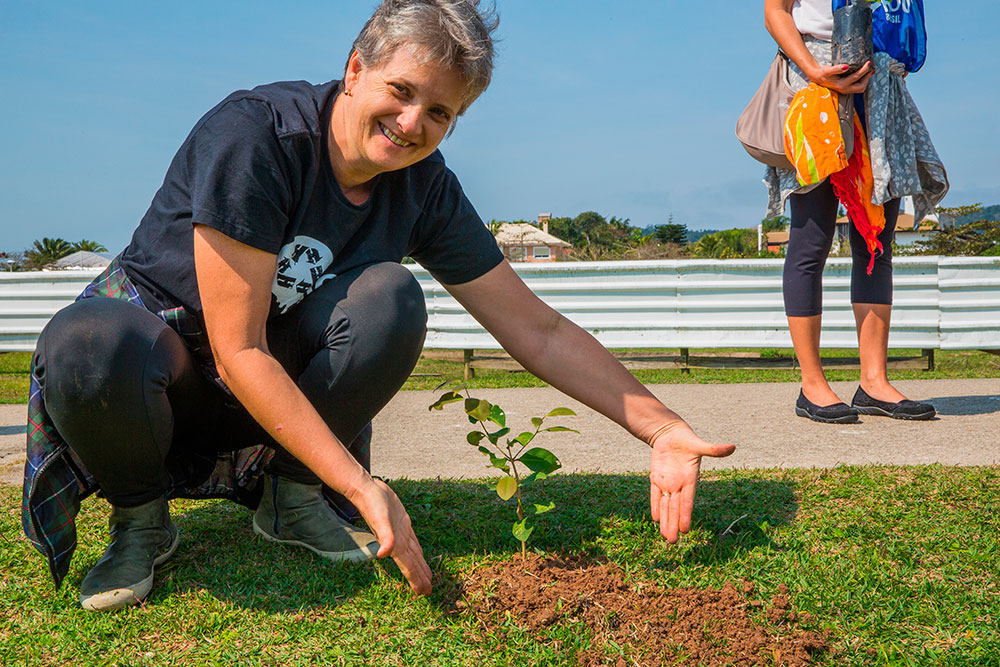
398,112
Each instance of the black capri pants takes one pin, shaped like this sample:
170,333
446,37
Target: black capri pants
814,222
124,391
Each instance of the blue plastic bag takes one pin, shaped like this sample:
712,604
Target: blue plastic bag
898,29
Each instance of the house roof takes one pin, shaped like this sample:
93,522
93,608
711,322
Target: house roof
777,238
522,233
83,259
904,223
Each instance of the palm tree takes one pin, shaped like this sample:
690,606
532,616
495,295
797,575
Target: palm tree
89,246
709,245
47,251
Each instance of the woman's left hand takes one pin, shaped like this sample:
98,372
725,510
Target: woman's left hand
673,476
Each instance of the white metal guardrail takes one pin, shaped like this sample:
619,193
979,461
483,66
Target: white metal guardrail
29,299
939,302
970,302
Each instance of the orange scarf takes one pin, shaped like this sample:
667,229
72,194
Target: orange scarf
815,147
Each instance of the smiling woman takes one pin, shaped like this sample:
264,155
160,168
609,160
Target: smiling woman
261,319
261,300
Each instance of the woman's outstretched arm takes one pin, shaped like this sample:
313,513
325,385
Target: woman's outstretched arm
571,360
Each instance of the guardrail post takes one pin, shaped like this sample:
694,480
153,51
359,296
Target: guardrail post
685,353
929,353
470,372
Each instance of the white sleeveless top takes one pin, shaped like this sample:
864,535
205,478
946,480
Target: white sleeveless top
814,17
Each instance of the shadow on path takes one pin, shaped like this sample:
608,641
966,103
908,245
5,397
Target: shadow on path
966,405
13,430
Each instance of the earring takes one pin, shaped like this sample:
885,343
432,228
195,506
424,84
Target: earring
347,92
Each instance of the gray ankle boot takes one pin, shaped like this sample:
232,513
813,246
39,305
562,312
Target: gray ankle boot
141,538
294,513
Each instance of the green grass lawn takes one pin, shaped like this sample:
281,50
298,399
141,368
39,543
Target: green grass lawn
948,364
431,372
14,377
897,565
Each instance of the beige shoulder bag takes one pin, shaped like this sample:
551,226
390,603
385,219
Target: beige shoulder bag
761,126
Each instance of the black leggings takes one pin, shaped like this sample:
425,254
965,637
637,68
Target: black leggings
814,222
124,391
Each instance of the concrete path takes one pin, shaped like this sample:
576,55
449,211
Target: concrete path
412,442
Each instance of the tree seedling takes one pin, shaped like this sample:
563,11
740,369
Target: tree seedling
507,454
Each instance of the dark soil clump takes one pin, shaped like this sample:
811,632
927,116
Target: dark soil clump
655,626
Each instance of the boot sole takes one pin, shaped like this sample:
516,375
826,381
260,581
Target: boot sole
872,410
120,598
846,419
359,555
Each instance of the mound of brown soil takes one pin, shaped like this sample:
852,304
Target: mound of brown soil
684,626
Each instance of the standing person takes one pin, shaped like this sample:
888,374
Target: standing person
261,300
802,30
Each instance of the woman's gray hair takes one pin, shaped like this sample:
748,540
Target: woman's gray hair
455,33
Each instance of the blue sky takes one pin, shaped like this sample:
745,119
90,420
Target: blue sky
626,108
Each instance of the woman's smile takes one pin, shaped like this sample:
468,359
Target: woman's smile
393,137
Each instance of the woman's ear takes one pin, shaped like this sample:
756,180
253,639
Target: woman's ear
353,71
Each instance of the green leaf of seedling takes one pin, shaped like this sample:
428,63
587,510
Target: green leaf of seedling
540,460
496,461
496,435
474,437
537,421
542,509
524,438
521,530
454,385
533,477
448,397
497,416
478,409
506,488
559,412
560,428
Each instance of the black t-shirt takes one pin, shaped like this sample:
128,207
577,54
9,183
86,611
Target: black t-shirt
256,168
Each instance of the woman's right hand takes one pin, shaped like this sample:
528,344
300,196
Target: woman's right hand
833,77
386,516
235,284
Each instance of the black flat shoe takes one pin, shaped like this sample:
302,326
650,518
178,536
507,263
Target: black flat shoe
838,413
905,409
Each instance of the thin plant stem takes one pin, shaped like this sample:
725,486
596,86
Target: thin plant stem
517,493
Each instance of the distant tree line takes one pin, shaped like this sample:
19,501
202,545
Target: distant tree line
971,230
595,237
965,230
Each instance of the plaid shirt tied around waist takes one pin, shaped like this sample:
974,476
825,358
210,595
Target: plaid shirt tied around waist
56,481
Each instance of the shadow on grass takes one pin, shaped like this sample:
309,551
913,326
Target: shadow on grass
595,515
220,554
459,518
966,405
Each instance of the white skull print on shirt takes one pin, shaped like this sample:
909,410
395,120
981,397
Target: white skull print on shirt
300,270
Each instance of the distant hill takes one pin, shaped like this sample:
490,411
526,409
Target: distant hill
991,213
692,234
